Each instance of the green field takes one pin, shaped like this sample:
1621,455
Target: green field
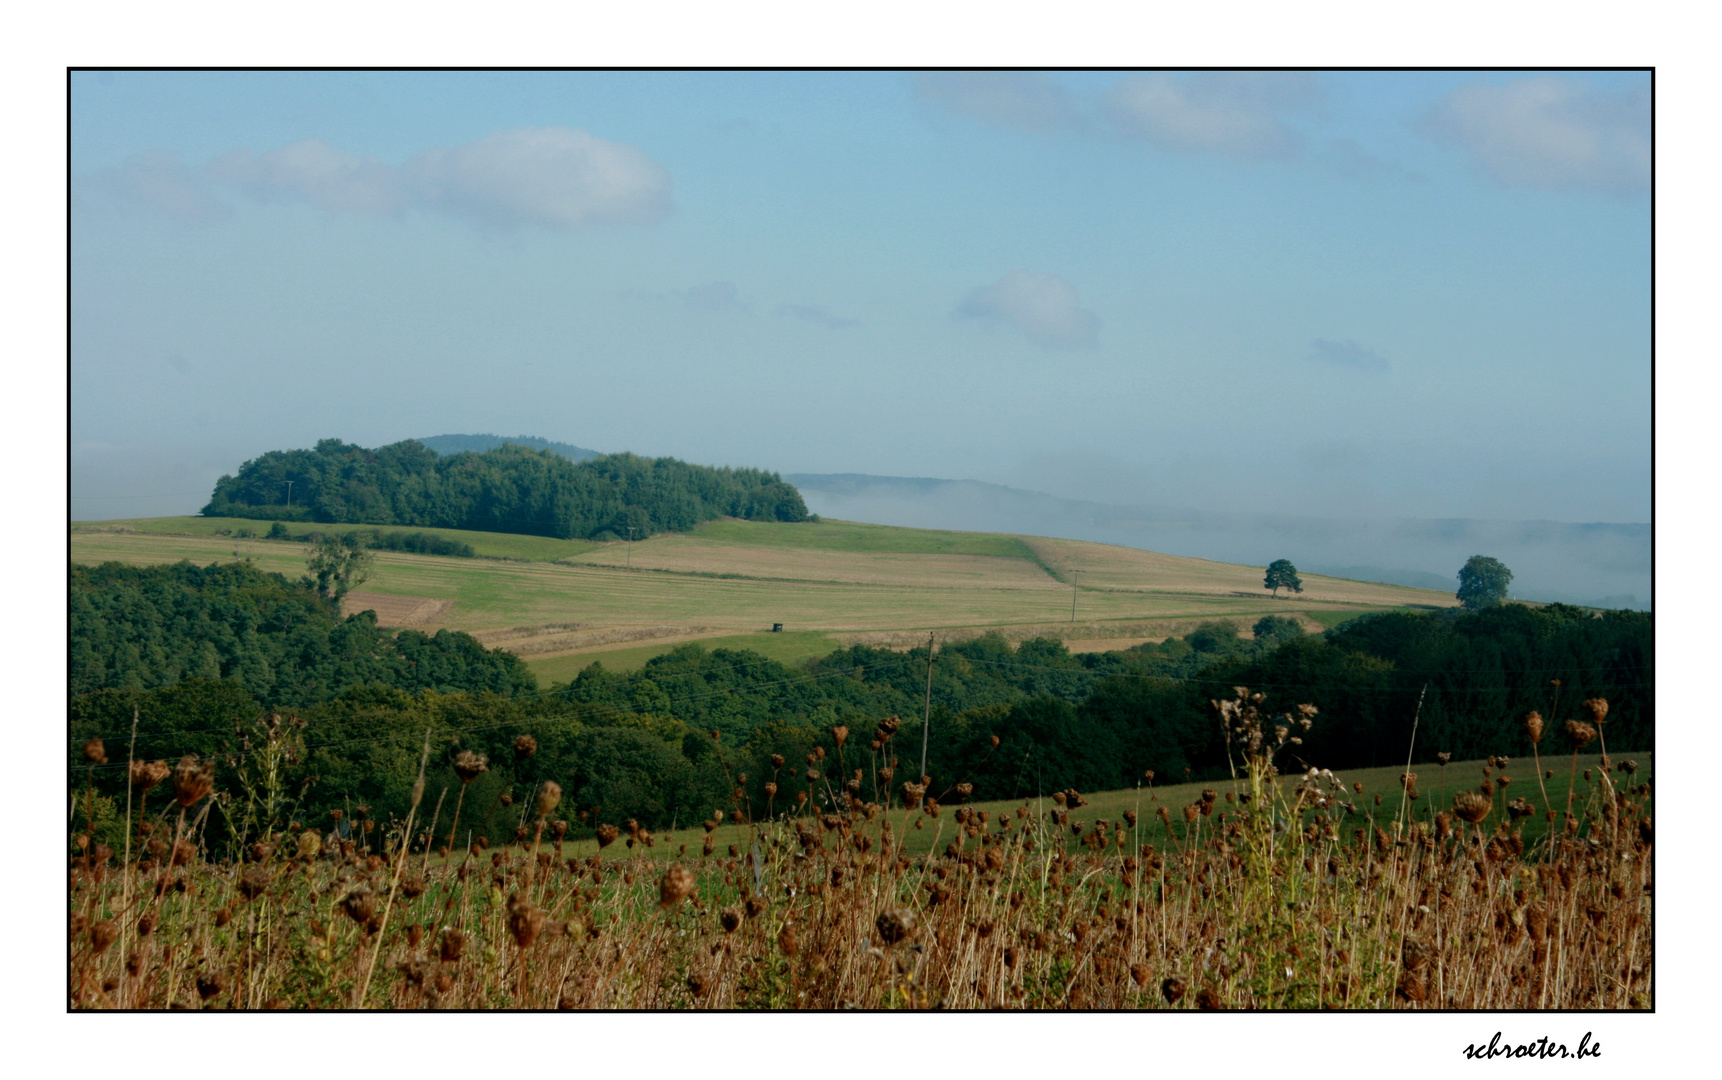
858,537
561,604
1436,790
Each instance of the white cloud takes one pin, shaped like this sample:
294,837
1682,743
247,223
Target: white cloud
312,171
1042,306
1346,354
1007,98
553,177
161,183
1237,114
1550,131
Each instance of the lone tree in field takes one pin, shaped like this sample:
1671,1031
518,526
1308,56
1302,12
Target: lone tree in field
338,565
1483,582
1282,575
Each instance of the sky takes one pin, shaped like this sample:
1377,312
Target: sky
1353,294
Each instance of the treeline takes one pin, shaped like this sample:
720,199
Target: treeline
512,489
419,543
140,628
665,744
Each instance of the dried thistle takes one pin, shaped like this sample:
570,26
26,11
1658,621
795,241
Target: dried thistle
1172,990
95,753
677,883
1473,806
468,766
895,925
525,746
192,780
1534,726
147,774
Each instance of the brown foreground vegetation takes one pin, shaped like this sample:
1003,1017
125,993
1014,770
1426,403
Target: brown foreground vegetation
1266,892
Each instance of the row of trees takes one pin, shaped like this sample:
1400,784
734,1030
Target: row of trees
511,489
664,744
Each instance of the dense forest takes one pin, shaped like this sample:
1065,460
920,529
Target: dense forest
142,628
511,489
665,743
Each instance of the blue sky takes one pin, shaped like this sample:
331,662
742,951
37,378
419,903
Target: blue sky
1338,293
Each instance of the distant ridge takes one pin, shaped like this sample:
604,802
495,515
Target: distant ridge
478,444
1600,564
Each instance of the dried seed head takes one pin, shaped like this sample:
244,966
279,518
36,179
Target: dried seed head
309,844
104,933
1208,1000
1580,733
607,835
1534,726
1172,990
895,925
777,761
253,882
1444,757
525,922
468,766
192,780
147,774
1473,806
840,734
453,944
210,984
677,883
1598,709
549,796
95,753
730,918
360,905
525,746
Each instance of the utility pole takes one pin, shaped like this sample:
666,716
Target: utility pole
1074,575
289,494
927,716
630,547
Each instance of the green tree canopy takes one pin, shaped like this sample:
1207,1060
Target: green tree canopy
1282,575
512,489
1483,582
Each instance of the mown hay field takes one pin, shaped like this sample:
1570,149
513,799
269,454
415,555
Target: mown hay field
883,585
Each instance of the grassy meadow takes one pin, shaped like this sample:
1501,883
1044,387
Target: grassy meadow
561,604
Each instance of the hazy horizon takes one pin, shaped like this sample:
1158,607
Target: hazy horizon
1330,294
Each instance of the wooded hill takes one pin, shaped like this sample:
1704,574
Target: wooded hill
508,489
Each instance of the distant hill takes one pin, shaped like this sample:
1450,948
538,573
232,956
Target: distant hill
478,444
1595,564
509,489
